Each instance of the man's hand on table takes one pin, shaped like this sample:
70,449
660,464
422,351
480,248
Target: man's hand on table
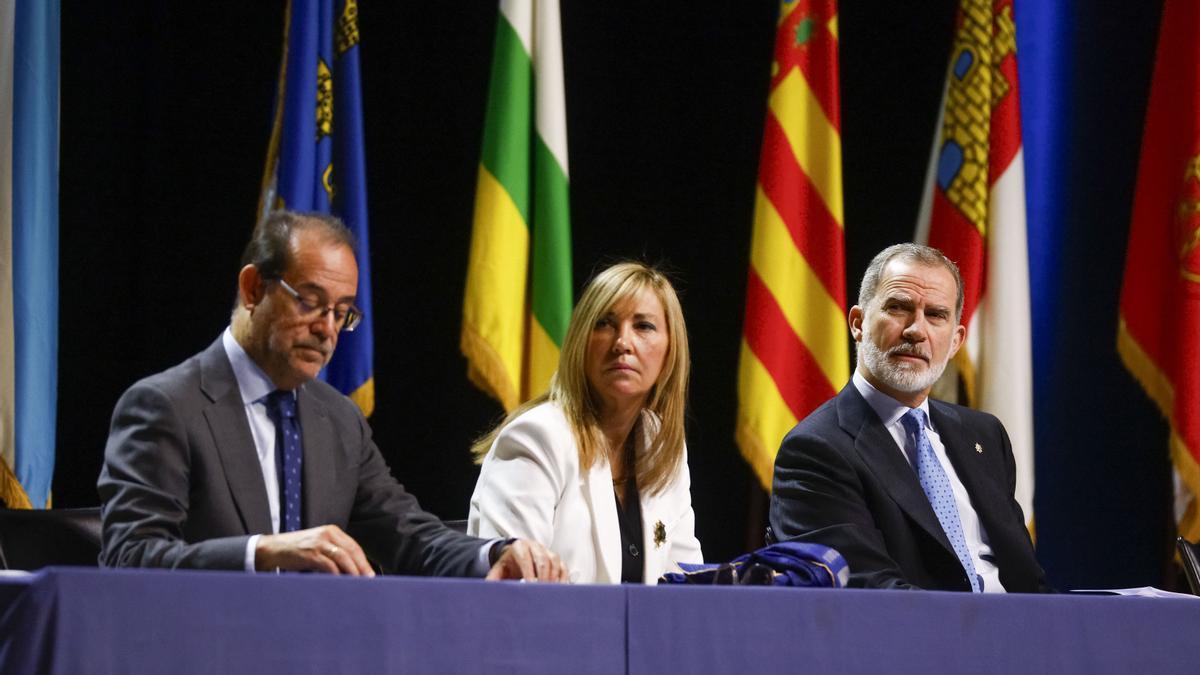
319,549
528,561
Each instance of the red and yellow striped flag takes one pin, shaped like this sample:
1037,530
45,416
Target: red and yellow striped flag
1159,330
795,350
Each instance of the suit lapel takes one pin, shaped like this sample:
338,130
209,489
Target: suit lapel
878,449
604,515
653,553
960,448
318,467
226,419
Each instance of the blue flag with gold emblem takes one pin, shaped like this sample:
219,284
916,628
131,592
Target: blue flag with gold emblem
316,160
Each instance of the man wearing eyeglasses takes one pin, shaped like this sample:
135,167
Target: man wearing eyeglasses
239,458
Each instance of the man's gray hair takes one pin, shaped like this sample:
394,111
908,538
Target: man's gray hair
913,253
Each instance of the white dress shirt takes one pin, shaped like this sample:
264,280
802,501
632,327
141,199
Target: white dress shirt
254,386
890,412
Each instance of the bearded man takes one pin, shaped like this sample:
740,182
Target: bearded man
915,493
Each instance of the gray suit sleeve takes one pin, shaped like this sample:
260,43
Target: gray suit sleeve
395,531
145,488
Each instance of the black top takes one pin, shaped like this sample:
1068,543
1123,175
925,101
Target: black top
630,519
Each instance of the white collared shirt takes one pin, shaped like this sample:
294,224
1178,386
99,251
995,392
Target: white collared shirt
254,386
890,412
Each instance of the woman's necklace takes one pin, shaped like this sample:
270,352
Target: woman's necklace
628,462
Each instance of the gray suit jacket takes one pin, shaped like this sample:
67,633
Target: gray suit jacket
840,481
182,486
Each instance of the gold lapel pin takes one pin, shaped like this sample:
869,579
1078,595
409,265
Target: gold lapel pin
979,448
660,534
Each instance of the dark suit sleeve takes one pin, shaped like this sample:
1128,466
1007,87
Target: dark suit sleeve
395,531
144,486
817,497
1010,473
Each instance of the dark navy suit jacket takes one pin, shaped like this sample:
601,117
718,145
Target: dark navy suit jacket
841,481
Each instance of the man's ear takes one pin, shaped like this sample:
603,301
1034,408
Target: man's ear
855,320
960,336
250,286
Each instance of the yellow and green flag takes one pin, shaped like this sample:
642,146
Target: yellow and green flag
518,297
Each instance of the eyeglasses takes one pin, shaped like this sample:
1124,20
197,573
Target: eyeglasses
345,317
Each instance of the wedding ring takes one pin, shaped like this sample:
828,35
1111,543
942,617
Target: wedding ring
332,551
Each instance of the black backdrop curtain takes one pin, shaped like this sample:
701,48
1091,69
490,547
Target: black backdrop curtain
166,110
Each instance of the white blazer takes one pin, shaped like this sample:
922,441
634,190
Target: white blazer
530,486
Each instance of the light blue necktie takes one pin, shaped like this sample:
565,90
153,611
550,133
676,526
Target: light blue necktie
937,489
289,455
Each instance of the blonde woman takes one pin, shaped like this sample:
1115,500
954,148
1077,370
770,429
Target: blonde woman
596,469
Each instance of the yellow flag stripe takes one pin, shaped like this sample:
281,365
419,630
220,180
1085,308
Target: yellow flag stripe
763,416
1148,374
814,139
494,313
813,314
543,359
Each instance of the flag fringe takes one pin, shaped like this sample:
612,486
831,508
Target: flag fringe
1138,362
485,369
762,462
11,490
1189,472
1159,388
364,397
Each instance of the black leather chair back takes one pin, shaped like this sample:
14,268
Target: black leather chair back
32,539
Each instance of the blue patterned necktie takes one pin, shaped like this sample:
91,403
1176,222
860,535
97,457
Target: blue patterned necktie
289,456
937,489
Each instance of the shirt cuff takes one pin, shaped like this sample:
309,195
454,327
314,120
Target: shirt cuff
483,562
251,544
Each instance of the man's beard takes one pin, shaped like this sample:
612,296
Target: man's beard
900,376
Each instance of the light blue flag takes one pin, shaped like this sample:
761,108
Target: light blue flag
317,161
32,254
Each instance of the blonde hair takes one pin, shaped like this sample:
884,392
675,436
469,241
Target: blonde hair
569,387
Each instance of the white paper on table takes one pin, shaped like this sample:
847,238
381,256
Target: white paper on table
1142,592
